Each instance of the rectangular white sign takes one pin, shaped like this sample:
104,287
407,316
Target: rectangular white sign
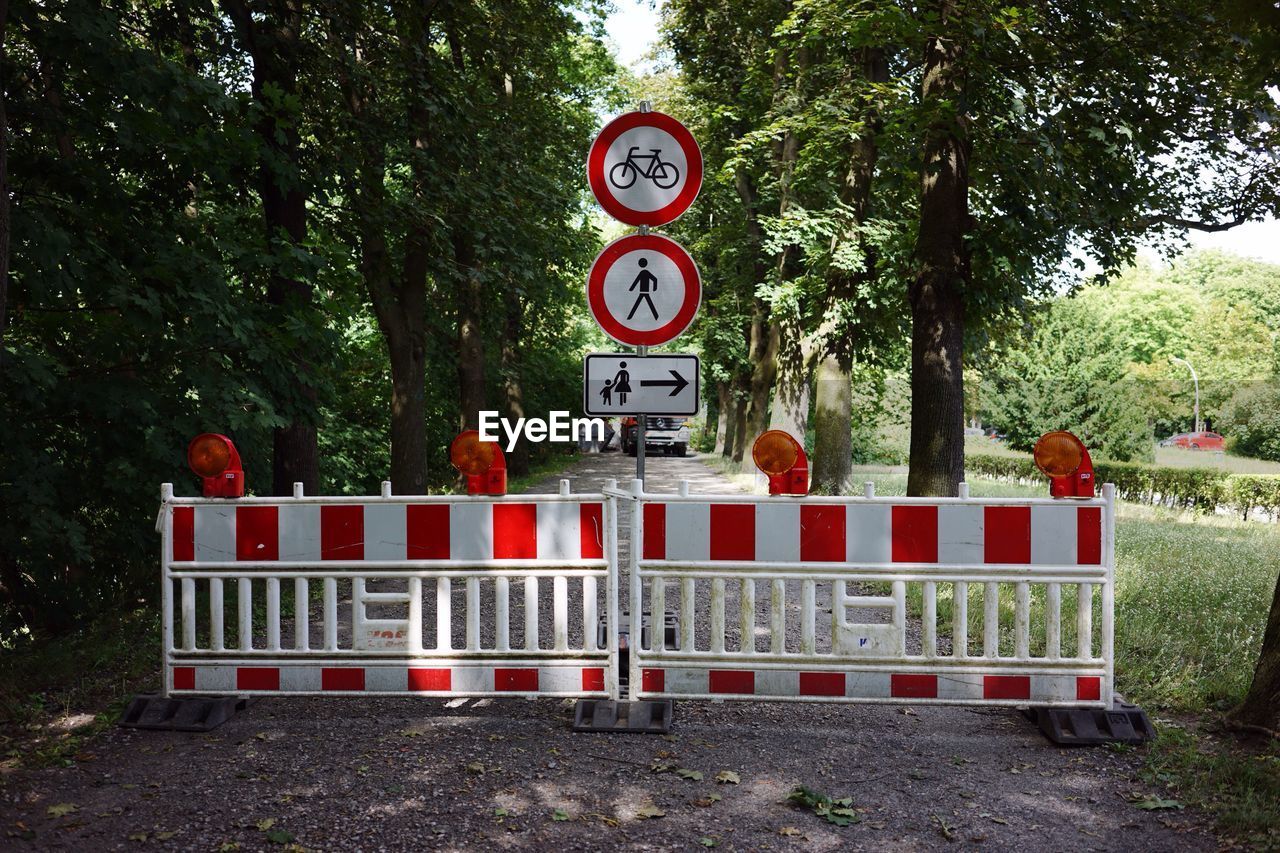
626,384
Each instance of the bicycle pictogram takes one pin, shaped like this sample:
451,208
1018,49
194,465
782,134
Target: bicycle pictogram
664,174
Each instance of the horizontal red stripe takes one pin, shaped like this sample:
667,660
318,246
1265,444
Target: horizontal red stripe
516,680
430,679
1007,534
257,533
427,528
1088,688
342,678
905,686
184,533
592,678
822,683
1006,687
341,532
653,680
733,532
184,678
915,534
655,532
731,681
591,531
515,531
822,533
1089,535
257,678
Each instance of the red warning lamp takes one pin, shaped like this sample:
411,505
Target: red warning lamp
215,461
1064,460
481,461
783,460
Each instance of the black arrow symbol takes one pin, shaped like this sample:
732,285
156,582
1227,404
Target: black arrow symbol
676,385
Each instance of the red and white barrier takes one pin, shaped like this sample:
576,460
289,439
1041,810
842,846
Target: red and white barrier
853,588
404,557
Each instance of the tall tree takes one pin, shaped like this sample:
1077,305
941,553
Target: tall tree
270,31
936,294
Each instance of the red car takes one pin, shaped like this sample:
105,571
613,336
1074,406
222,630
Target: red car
1196,441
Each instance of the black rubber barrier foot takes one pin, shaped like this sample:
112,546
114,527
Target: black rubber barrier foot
188,714
1123,723
645,716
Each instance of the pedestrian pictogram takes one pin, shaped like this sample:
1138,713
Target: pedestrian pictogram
643,290
624,384
645,168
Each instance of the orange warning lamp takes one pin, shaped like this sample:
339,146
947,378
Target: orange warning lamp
481,461
783,461
215,461
1062,458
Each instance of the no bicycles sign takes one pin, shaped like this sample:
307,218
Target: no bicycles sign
645,168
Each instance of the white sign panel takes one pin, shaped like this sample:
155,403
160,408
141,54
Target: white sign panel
626,384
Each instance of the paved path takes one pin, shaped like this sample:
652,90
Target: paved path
402,774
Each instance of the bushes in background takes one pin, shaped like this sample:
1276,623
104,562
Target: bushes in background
1185,488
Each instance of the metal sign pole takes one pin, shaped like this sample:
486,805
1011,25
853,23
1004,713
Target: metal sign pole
642,352
640,426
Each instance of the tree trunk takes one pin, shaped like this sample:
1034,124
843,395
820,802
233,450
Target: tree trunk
4,185
942,271
832,427
764,369
513,390
272,41
1261,707
724,415
833,392
471,396
737,443
789,410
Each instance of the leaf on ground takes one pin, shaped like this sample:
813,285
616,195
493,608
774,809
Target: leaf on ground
261,735
559,814
500,812
279,836
945,828
603,818
649,811
1155,804
790,831
62,809
475,767
707,801
692,775
265,824
165,836
728,777
708,841
138,836
839,811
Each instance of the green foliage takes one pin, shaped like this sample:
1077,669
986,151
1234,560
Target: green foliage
1060,375
839,812
1252,418
1182,488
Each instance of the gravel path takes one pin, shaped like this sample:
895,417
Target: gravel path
401,774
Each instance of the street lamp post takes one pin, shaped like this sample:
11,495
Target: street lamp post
1196,380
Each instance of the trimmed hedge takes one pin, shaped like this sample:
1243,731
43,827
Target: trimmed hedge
1201,489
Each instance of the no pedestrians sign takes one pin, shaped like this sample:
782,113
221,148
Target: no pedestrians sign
644,290
645,168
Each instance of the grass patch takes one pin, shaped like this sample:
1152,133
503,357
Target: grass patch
57,693
1239,784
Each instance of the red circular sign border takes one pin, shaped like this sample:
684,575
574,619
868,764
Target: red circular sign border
644,243
599,187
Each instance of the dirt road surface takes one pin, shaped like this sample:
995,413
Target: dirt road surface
401,774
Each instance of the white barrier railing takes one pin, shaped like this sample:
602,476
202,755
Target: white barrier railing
854,587
390,595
